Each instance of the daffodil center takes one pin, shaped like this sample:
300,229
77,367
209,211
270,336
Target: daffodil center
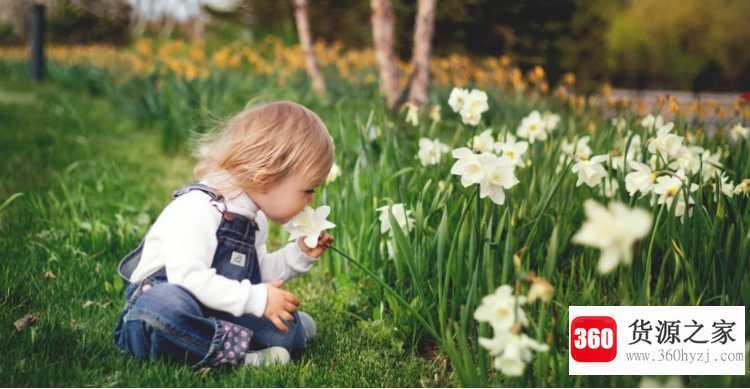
496,177
474,168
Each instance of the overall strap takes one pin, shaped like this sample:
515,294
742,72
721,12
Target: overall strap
217,199
128,264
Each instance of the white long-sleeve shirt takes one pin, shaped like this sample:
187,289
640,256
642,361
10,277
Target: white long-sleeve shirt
183,239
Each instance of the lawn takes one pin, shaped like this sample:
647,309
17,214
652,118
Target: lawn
94,155
91,180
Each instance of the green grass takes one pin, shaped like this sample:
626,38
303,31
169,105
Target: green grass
87,151
92,179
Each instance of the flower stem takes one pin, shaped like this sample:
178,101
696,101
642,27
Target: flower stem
648,256
479,225
390,290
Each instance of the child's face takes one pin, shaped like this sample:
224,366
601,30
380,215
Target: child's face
284,200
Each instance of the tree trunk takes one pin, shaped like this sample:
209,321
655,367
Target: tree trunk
424,27
198,26
382,36
14,14
305,38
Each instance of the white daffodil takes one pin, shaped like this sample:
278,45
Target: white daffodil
469,104
457,99
498,176
517,352
400,213
641,179
309,224
476,101
334,173
682,206
743,187
540,289
471,118
710,164
484,142
688,158
493,174
435,113
669,188
652,121
613,230
551,120
468,166
577,150
591,172
474,105
412,114
512,149
501,310
667,144
533,128
619,123
738,133
504,313
725,186
430,151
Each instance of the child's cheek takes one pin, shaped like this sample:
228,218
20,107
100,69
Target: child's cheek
284,209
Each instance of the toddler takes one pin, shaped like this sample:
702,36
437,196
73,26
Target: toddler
201,287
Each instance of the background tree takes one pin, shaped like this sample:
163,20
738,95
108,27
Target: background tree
383,37
697,44
677,43
425,25
305,38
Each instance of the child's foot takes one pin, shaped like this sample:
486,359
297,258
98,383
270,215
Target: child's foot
267,356
308,325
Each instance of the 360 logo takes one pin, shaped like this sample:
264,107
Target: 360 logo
593,339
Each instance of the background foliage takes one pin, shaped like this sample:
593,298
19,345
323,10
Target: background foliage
690,44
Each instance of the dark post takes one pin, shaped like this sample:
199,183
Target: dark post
36,63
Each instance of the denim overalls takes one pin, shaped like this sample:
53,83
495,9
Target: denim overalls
165,319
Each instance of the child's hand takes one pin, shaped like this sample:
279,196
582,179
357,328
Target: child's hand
280,305
324,240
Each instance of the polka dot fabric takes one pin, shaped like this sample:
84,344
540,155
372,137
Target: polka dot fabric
234,346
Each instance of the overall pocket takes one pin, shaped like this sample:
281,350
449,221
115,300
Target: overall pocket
234,259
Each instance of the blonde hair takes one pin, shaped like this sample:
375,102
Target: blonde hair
257,147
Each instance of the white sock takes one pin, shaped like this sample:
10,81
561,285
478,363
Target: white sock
267,356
